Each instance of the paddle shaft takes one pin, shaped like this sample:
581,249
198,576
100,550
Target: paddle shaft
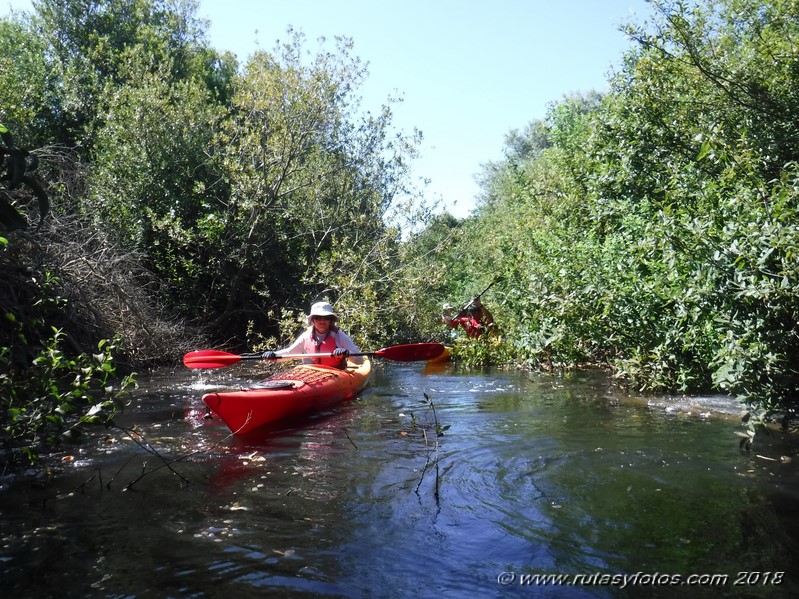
471,301
295,356
403,353
328,355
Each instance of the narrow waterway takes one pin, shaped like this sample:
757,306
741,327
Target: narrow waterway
534,476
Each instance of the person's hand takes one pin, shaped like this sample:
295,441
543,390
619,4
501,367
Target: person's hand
476,301
269,355
340,352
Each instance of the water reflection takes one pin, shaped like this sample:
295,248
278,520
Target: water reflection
535,474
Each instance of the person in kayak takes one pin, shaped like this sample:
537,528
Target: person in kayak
475,319
321,337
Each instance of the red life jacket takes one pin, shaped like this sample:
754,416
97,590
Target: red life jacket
469,324
327,346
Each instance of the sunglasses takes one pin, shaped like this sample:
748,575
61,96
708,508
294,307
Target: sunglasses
328,318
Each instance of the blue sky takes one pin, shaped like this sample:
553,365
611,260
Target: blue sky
469,71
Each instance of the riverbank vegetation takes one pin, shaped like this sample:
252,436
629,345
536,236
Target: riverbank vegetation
196,199
654,228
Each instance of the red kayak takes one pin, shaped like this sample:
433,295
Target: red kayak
301,391
444,356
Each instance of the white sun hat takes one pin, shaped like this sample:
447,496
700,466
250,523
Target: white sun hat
322,309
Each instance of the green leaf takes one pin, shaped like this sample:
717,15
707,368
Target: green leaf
704,150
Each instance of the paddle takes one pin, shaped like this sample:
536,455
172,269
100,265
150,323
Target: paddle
471,301
411,352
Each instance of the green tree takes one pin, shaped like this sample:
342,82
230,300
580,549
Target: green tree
312,183
24,84
154,182
651,229
91,44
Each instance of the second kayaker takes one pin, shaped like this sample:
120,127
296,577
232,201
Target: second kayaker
475,319
321,337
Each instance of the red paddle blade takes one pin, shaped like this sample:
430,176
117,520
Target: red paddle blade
411,352
209,358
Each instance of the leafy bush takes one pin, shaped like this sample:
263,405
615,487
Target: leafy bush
482,352
654,229
52,398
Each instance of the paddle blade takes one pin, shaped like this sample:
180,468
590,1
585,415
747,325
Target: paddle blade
209,358
411,352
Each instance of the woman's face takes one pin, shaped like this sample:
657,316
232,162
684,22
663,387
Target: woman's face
322,323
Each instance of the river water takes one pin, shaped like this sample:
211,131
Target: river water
534,476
